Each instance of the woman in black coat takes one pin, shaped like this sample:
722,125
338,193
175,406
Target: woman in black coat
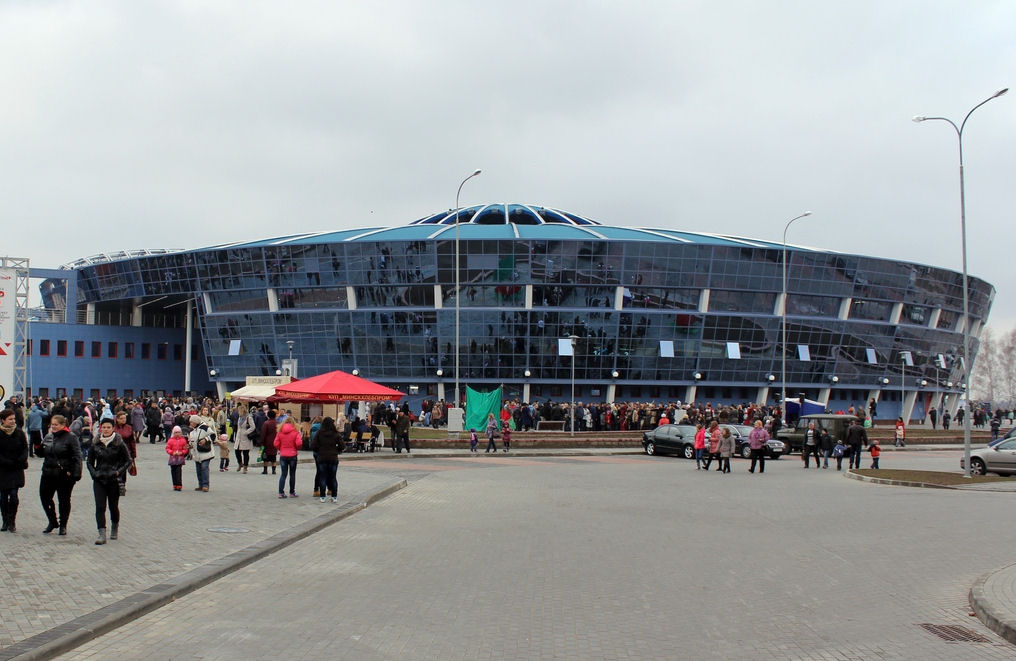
108,460
327,444
13,462
61,470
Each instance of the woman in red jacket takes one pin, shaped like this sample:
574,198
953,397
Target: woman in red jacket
288,441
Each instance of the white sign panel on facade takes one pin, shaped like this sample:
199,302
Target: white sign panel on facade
8,313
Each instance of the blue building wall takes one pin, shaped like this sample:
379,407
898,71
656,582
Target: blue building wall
162,369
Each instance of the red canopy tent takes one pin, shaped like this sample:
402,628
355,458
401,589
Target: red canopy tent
334,386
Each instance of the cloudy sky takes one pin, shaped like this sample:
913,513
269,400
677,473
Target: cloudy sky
141,124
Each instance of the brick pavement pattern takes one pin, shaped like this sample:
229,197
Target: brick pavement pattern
49,580
627,558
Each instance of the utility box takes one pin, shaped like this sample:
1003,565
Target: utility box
455,420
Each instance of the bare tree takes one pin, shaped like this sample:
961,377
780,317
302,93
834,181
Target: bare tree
1007,364
986,372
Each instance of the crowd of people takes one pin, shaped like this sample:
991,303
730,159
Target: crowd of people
103,436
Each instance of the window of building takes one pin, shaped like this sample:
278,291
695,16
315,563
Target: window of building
43,392
177,352
43,347
79,349
28,348
96,349
128,350
94,394
78,393
61,348
161,351
110,394
146,351
129,393
61,392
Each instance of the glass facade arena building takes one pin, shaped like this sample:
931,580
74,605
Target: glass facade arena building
658,314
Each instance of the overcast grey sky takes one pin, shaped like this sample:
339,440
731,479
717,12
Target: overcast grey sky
183,124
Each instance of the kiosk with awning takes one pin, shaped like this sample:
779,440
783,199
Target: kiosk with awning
332,387
259,388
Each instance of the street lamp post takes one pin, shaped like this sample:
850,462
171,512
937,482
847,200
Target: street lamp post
903,380
966,294
458,293
783,320
573,338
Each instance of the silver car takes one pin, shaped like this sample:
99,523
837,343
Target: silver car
999,459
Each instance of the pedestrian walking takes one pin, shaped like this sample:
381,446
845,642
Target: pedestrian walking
856,437
246,432
700,445
826,443
757,439
223,443
268,451
726,449
876,452
201,441
839,450
328,445
474,440
900,433
811,445
491,433
13,463
401,429
126,433
288,442
176,448
107,460
714,444
61,470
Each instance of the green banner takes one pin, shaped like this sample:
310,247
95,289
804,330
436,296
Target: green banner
478,405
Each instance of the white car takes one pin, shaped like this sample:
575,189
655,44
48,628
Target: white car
999,459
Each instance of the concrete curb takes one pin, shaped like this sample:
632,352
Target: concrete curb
72,634
989,613
895,483
925,485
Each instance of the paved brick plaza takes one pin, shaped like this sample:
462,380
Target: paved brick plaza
600,557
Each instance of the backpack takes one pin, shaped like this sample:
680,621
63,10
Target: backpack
838,450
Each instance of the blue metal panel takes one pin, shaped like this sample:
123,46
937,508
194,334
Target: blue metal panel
118,373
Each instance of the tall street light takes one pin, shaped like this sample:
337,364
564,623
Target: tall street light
573,339
966,296
783,319
458,293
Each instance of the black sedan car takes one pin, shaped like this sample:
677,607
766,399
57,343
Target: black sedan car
670,439
774,448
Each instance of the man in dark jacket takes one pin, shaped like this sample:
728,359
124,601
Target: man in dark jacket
401,431
61,470
856,436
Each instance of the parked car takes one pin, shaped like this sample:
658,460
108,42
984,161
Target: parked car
835,424
1009,434
1000,458
670,439
775,448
